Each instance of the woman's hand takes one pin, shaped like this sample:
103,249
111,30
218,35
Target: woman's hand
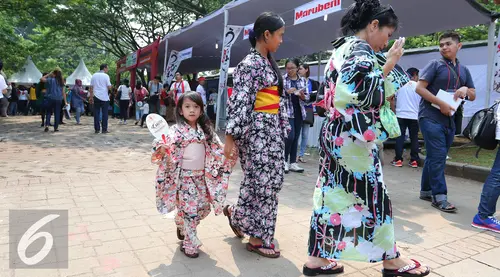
228,146
302,95
393,56
291,91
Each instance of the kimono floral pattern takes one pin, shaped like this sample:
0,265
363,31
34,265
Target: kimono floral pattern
352,213
260,139
191,192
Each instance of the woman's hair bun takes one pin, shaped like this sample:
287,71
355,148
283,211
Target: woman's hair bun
370,4
359,15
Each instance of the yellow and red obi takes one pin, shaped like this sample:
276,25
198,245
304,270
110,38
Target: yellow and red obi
267,100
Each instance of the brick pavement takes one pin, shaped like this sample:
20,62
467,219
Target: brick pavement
106,183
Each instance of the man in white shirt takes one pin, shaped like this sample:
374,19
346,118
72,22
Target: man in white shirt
4,103
201,90
154,87
407,106
99,97
179,86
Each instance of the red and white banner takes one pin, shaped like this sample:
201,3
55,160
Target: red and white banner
246,31
315,9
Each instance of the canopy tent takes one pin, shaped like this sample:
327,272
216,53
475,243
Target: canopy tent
81,72
312,36
28,75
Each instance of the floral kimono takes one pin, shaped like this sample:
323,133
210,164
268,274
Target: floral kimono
258,122
352,214
190,191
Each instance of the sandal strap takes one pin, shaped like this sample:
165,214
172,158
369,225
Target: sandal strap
409,267
332,264
257,246
445,205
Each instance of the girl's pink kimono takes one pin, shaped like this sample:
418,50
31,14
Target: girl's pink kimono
192,192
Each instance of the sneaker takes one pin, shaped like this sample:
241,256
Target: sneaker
125,122
397,163
307,154
296,168
46,129
413,164
490,224
287,168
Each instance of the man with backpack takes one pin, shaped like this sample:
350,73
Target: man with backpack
438,124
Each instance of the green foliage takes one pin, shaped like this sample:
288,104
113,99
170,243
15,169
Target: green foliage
60,32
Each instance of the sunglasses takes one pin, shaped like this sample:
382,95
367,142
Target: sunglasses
384,10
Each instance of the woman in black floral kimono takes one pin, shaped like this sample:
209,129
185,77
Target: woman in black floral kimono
352,213
257,125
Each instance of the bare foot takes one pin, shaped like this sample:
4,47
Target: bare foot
257,241
314,262
402,262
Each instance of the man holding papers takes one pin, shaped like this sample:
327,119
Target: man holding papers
436,116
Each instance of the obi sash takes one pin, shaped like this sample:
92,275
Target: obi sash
267,100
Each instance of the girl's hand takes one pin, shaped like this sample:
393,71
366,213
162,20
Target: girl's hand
228,147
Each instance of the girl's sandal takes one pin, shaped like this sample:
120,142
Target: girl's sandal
192,256
180,236
236,231
256,249
403,272
324,270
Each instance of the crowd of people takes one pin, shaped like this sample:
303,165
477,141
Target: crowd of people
53,97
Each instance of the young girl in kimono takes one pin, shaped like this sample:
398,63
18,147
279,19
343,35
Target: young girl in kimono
257,126
193,172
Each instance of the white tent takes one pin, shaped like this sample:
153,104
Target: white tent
82,73
28,75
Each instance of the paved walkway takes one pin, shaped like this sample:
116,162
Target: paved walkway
106,183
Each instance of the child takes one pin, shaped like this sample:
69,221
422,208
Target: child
145,111
193,172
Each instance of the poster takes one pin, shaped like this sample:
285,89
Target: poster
173,64
174,61
246,30
316,9
131,59
231,32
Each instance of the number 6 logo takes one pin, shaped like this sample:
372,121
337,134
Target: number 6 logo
30,236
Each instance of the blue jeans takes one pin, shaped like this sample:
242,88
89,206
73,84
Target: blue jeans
100,111
438,139
304,138
13,108
138,113
54,105
291,144
79,110
491,191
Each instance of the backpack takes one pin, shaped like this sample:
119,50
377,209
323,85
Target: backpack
482,129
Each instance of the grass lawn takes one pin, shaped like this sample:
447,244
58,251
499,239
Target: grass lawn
467,155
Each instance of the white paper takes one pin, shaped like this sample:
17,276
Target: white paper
448,98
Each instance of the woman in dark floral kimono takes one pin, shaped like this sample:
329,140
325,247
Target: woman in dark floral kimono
257,125
352,213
